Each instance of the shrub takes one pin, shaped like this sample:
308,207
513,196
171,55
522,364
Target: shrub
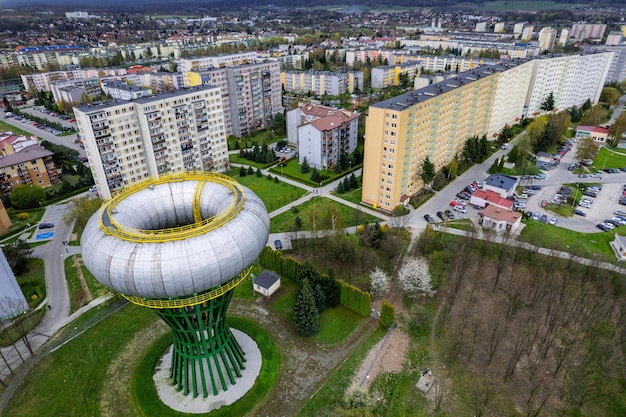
357,397
387,314
23,216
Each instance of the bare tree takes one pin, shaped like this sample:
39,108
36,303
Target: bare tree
8,308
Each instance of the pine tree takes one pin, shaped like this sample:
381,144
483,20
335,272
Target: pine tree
315,175
320,298
242,171
353,181
305,315
305,167
250,171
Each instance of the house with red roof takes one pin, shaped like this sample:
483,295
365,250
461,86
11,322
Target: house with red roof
597,133
495,218
490,198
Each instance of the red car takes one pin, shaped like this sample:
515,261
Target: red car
544,203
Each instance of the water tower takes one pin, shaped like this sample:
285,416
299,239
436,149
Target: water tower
180,245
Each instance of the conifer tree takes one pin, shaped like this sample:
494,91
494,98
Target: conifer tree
305,315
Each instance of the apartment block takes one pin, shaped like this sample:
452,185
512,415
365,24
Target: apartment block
322,82
322,133
573,79
251,94
73,91
436,120
582,31
617,68
433,121
43,81
219,61
24,162
388,75
129,141
547,37
119,90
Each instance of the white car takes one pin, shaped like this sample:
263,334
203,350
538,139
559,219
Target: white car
460,208
553,220
519,204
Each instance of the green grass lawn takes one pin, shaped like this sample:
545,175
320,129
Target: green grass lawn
29,281
320,209
273,194
586,245
291,169
68,381
614,158
330,395
147,401
96,289
336,324
353,196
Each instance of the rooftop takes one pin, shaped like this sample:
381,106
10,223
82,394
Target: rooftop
498,213
29,153
502,181
266,279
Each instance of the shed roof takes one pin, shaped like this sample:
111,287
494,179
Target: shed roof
504,182
266,279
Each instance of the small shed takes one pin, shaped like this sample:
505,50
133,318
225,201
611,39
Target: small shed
266,283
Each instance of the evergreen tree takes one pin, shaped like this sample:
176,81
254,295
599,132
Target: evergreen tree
428,170
305,315
250,171
320,298
305,167
340,188
259,173
586,105
242,171
353,181
315,176
548,103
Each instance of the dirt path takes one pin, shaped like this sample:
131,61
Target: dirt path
84,295
305,365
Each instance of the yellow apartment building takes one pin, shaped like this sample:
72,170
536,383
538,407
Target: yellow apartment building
434,121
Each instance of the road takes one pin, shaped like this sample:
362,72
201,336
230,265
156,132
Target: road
59,140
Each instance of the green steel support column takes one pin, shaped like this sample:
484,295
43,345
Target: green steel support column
203,343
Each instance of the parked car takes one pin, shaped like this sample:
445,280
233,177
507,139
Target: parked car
582,175
553,220
46,225
456,203
460,208
603,227
519,204
540,176
429,218
534,187
544,219
450,214
278,244
440,215
544,203
463,195
535,215
580,213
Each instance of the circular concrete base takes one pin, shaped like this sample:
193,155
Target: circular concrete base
176,400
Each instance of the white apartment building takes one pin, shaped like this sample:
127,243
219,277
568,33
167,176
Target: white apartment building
322,133
322,82
588,31
220,61
617,69
42,81
518,28
129,141
547,37
251,94
119,90
573,79
73,91
564,37
527,33
509,99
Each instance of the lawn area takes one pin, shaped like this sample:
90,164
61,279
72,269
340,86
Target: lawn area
33,282
148,403
613,158
264,136
586,245
274,194
18,224
320,210
68,381
330,396
291,169
353,196
336,324
461,224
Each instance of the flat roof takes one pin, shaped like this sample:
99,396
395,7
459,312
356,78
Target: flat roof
426,93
